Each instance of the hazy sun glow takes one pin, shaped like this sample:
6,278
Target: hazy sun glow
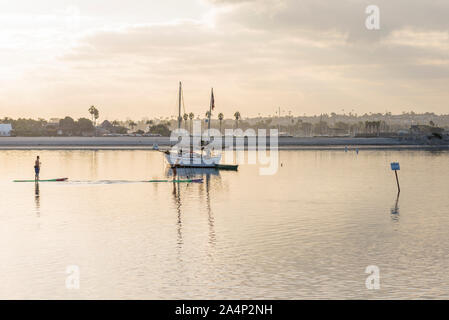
58,57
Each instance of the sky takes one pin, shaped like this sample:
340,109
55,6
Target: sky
58,57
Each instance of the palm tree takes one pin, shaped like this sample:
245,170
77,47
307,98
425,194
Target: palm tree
96,115
220,117
185,117
92,110
115,123
237,117
191,116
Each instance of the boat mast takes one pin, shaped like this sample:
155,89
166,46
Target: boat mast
210,108
179,106
279,121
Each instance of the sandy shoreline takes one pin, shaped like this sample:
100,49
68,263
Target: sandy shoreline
146,143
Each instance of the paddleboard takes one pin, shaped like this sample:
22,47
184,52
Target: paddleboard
47,180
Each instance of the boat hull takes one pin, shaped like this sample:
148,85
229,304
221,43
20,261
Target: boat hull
192,161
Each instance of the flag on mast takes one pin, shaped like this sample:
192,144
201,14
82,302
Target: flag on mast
212,100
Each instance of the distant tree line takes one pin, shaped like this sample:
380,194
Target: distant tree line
41,127
333,124
81,127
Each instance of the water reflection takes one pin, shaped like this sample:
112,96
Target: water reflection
99,218
395,209
209,212
93,163
177,199
193,173
37,199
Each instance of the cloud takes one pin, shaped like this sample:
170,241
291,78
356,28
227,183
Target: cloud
286,33
310,55
346,17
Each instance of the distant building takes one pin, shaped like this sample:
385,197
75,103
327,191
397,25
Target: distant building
5,129
106,125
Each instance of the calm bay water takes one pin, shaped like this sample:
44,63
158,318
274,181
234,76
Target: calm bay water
307,232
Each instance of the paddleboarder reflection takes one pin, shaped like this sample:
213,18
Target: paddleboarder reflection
37,199
37,168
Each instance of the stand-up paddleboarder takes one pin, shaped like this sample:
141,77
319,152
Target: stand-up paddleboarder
37,168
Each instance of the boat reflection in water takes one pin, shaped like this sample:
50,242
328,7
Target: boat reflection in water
181,191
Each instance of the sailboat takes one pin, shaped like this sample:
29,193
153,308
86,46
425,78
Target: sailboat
191,158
